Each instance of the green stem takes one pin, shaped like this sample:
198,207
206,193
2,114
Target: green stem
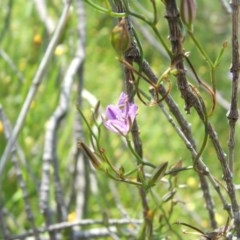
204,54
155,19
105,10
138,158
204,143
213,80
217,61
123,180
154,28
105,159
88,125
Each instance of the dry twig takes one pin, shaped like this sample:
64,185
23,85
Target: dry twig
34,87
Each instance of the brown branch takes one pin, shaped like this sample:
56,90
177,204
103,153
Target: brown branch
129,57
176,38
233,114
192,101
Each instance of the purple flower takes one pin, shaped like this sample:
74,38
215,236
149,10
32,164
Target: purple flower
119,118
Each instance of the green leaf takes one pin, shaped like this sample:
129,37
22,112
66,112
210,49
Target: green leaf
121,172
157,174
168,196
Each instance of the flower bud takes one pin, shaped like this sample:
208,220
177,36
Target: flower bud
120,37
188,11
93,159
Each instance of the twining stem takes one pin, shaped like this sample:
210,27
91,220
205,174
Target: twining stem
155,18
199,47
138,158
212,92
212,67
104,10
204,143
153,25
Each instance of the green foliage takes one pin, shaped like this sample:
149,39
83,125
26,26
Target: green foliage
25,40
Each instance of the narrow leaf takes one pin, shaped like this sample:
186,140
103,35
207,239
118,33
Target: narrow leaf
157,174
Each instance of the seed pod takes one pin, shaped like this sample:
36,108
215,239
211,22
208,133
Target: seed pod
188,11
120,37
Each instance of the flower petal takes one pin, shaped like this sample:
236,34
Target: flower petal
123,99
117,126
132,111
113,112
119,118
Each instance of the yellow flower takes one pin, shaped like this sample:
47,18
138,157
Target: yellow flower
60,50
33,104
192,182
1,127
37,39
72,217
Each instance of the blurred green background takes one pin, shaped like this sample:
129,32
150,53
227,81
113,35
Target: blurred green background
24,38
